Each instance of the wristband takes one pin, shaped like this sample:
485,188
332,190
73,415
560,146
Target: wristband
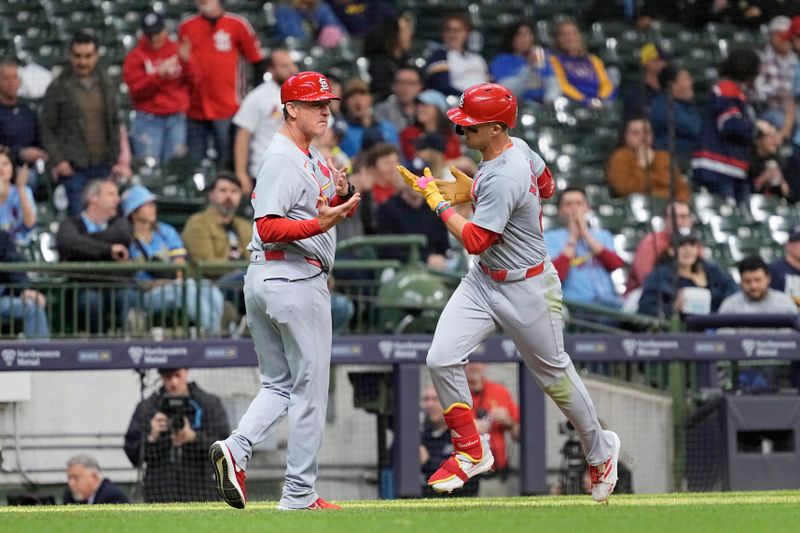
447,213
441,207
351,190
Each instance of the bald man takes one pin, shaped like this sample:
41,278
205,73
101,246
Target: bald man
259,118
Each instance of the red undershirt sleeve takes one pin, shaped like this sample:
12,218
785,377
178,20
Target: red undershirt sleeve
477,239
338,200
279,229
561,264
610,260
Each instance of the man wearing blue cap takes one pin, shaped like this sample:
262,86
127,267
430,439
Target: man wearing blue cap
160,242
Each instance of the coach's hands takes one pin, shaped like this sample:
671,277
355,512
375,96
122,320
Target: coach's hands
426,186
456,192
330,216
339,179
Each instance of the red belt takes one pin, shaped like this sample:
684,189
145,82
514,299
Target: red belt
278,255
498,274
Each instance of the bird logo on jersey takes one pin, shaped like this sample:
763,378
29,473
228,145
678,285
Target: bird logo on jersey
324,169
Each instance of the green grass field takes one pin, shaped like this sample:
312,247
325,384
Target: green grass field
750,512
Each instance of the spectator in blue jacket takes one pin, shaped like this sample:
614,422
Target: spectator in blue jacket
363,130
155,241
583,256
524,67
309,20
451,69
688,121
722,159
19,302
685,264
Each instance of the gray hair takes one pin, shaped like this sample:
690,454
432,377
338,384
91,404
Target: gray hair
86,461
93,189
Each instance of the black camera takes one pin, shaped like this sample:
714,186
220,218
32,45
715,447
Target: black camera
176,408
573,463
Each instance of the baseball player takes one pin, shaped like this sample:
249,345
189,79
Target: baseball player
513,287
298,200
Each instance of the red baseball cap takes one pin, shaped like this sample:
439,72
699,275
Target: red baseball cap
794,29
307,87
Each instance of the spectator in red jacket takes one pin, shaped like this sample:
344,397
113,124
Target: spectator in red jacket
159,74
495,413
219,40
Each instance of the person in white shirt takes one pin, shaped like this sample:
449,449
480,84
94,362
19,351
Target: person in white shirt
756,297
259,118
450,68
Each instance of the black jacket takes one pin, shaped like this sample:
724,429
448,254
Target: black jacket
9,254
107,492
178,473
62,123
74,243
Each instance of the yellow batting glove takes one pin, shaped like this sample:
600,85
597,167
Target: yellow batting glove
456,192
426,186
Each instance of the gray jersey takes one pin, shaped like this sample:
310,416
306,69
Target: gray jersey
288,184
505,197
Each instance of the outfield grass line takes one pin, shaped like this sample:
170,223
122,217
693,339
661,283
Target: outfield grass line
518,502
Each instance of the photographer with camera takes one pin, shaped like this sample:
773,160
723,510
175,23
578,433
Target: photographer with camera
170,433
495,413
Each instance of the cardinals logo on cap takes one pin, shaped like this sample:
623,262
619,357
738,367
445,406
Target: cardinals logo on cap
323,84
461,101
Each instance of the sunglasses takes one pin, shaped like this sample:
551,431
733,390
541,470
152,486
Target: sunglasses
471,129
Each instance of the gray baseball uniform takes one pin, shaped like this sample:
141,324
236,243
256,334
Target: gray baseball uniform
289,314
506,200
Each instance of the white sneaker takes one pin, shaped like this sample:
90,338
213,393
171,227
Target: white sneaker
459,468
604,476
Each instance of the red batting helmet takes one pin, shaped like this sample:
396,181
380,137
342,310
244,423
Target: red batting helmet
307,87
483,103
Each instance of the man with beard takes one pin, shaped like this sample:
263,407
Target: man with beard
217,234
260,116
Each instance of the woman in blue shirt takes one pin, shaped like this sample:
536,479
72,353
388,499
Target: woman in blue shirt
17,208
155,241
524,67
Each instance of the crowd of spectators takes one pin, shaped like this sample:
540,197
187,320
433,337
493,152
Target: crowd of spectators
189,101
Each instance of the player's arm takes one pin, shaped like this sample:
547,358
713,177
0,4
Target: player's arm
273,228
241,158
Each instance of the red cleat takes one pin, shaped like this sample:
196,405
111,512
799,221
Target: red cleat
321,505
318,505
459,467
230,478
604,476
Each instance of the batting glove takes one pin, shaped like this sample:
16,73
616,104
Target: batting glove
426,186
